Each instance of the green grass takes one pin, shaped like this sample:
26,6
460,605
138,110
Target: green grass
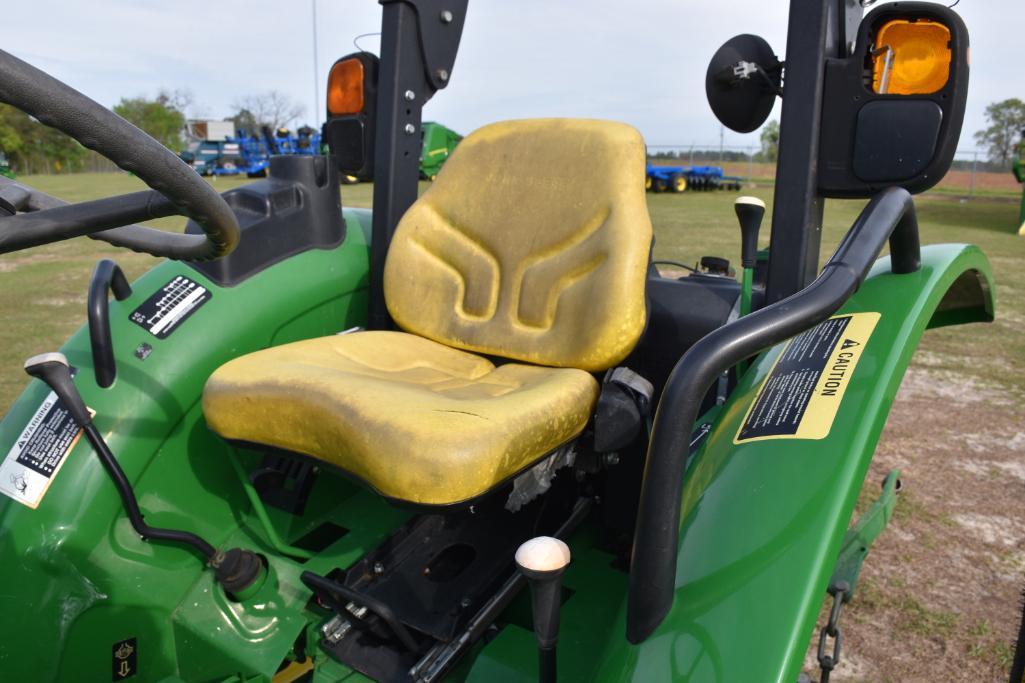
919,619
42,290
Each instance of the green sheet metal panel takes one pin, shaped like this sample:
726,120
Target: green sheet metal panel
763,521
76,577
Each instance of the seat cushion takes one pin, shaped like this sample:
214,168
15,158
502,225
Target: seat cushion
532,244
416,420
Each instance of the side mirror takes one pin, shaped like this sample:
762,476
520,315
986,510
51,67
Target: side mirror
742,82
351,113
892,111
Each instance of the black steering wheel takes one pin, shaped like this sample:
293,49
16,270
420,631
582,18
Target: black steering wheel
29,218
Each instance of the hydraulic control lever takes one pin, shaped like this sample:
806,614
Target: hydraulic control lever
542,561
750,211
240,572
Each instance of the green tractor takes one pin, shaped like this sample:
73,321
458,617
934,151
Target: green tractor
438,143
475,435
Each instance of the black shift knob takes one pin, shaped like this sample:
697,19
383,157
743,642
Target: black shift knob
542,561
750,211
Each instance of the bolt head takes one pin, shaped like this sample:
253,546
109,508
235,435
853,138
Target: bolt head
446,17
442,75
378,568
410,95
410,129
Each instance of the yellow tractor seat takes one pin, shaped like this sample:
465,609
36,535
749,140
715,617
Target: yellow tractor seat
532,245
416,420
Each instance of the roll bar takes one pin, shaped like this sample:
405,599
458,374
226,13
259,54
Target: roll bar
889,216
419,42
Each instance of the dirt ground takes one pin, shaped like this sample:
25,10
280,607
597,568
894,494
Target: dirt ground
939,597
983,181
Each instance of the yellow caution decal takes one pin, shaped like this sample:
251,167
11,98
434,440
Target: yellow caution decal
801,394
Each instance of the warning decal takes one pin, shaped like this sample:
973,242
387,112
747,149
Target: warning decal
168,308
801,394
124,656
38,453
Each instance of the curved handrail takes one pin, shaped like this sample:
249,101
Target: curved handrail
107,277
889,216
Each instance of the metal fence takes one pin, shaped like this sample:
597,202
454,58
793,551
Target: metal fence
753,163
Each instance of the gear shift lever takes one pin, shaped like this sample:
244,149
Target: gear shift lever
542,561
750,211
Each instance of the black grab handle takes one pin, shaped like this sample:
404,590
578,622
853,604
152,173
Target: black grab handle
889,217
106,278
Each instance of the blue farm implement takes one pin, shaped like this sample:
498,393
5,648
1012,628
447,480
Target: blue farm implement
683,178
250,153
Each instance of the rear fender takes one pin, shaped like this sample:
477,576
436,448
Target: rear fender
762,522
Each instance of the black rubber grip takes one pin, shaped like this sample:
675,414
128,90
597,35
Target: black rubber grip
53,369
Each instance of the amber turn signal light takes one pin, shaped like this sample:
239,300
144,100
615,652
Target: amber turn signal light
911,57
345,88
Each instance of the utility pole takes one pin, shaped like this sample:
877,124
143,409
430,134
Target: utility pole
975,168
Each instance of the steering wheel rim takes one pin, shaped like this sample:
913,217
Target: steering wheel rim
95,127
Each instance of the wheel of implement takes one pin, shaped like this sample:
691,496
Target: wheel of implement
647,183
678,183
659,185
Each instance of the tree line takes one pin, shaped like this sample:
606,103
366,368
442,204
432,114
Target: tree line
31,147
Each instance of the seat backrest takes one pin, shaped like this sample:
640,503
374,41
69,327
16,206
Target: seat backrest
532,244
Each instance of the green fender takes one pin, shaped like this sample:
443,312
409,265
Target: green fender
762,522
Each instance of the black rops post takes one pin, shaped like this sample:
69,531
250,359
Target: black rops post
817,30
419,41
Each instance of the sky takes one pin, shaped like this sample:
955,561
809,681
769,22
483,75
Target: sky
640,62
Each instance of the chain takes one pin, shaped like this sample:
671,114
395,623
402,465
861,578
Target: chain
827,663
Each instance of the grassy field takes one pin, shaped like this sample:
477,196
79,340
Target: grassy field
939,593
